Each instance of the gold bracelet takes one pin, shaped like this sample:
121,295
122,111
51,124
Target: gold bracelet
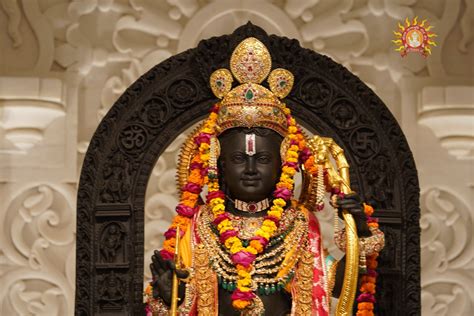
367,245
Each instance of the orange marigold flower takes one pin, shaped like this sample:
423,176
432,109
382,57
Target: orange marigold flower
241,267
369,210
169,244
368,288
181,221
372,264
189,203
257,245
240,304
289,186
189,196
365,306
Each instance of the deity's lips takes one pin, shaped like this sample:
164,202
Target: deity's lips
250,181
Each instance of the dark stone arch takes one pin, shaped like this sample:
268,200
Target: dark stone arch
327,99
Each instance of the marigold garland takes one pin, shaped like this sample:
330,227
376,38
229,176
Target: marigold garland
366,299
242,257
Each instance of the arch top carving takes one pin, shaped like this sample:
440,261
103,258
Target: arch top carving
326,98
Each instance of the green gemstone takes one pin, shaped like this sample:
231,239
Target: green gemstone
261,290
224,285
232,286
219,83
282,83
267,290
279,286
249,94
272,289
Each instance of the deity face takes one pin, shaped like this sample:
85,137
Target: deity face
250,178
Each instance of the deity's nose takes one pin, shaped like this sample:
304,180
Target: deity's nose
250,166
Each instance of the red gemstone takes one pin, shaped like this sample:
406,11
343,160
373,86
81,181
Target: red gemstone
252,207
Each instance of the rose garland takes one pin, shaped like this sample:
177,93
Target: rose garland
366,299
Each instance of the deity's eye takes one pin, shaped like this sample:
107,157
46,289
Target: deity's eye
264,158
237,158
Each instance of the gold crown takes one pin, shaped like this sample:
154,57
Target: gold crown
250,104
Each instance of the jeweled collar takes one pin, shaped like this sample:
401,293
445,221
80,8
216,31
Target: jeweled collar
251,207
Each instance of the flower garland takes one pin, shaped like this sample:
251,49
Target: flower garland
366,299
198,169
200,173
244,256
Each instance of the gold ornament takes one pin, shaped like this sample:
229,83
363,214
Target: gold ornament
281,82
250,61
221,82
251,104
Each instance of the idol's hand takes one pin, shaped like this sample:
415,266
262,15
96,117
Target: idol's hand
162,271
352,203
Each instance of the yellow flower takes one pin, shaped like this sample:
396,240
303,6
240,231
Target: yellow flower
224,229
213,116
288,170
291,154
291,159
205,157
269,223
236,247
267,230
251,249
231,241
204,147
243,274
216,201
292,129
244,282
224,223
275,212
279,202
218,208
263,234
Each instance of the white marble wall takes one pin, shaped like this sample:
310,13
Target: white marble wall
64,63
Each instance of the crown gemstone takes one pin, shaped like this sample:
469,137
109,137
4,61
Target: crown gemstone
249,95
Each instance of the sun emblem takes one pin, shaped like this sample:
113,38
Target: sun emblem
414,37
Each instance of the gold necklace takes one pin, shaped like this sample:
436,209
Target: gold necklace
268,264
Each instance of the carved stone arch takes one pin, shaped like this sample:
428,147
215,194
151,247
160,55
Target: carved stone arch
326,98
